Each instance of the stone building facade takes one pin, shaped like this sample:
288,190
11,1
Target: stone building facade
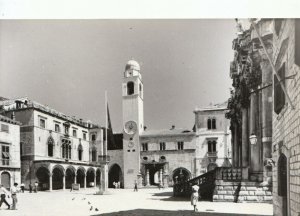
213,137
10,163
286,121
56,150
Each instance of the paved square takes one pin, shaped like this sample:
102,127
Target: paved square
123,202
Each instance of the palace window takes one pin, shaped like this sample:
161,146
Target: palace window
144,146
5,155
279,97
84,135
211,123
74,133
50,146
162,146
66,129
94,154
130,88
66,149
80,150
4,128
57,128
93,137
212,146
42,123
180,145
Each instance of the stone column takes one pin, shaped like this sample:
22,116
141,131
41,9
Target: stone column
255,166
245,143
160,176
50,182
267,111
64,182
147,177
84,181
245,138
95,179
235,149
104,178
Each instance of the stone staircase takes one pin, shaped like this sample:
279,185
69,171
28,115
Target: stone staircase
243,191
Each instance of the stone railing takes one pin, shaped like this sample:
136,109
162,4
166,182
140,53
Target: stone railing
228,174
206,181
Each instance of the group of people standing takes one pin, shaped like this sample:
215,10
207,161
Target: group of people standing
13,193
117,184
4,194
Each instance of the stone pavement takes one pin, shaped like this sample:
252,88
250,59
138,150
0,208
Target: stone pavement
125,202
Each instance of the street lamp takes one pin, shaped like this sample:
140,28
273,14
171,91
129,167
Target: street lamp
253,139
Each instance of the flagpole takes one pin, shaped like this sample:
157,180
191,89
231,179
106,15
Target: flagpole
106,124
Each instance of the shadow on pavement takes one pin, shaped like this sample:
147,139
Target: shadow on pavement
150,212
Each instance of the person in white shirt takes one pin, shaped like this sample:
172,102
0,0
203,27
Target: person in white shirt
14,190
3,194
195,196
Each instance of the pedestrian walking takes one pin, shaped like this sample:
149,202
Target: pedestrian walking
3,194
14,190
195,196
36,184
135,186
30,187
22,187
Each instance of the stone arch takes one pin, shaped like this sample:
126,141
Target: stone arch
115,175
58,173
70,176
6,179
80,177
90,177
43,176
181,174
130,88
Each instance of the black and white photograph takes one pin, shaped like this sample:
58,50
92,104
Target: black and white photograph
142,113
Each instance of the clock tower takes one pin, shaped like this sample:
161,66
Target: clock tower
133,122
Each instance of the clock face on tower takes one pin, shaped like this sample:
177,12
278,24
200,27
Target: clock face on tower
130,127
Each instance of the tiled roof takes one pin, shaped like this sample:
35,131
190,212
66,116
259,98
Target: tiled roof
167,132
8,120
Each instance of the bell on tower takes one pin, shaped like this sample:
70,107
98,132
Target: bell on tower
132,68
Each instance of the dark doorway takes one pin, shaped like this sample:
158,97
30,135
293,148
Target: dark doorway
5,179
114,175
70,177
42,175
98,174
90,178
282,182
80,177
180,175
57,178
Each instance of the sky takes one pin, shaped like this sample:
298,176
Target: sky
68,65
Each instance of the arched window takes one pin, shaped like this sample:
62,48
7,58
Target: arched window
282,175
70,151
213,123
130,88
94,154
80,150
209,124
50,146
